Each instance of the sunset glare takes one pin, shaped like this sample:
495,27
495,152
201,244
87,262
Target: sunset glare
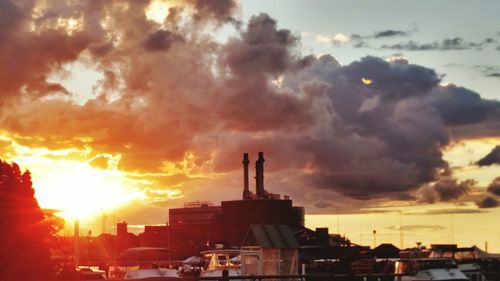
76,189
368,112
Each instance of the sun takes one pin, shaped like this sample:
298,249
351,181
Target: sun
81,191
75,188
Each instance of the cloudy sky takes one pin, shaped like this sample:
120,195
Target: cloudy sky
383,112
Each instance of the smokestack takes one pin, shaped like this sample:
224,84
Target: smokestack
246,188
259,176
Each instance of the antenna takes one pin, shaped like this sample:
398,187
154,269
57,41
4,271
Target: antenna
338,225
401,243
452,228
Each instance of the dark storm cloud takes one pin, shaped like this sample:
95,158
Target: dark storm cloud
262,52
393,80
444,190
494,187
488,202
491,158
448,44
460,106
161,40
354,152
262,49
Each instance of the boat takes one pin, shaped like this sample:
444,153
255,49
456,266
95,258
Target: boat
155,272
213,263
472,270
428,270
144,262
220,260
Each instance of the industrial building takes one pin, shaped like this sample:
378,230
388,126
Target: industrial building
200,225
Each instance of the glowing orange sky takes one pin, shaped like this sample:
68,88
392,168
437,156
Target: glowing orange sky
66,180
129,108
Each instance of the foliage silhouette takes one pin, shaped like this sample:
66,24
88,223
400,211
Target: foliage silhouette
24,234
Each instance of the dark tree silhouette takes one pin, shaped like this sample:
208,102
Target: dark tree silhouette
24,235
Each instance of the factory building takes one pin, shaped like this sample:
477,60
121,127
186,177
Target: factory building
200,225
193,228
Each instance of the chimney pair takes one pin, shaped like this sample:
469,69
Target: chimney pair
259,177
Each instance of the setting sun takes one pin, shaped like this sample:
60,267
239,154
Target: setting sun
79,190
65,180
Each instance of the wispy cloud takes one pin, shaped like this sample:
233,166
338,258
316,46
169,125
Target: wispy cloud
390,33
361,40
416,227
447,211
449,44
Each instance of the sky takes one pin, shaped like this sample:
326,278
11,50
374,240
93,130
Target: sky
373,115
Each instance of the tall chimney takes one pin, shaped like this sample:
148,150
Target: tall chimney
246,188
259,176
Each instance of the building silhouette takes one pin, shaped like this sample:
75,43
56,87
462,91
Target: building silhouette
200,225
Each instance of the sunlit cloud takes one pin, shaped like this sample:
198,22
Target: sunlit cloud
341,38
366,81
65,180
158,10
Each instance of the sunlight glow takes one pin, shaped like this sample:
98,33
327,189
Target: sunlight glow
70,25
81,191
366,81
65,180
158,10
462,157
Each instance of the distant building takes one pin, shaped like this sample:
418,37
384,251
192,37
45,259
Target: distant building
194,213
155,236
124,239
